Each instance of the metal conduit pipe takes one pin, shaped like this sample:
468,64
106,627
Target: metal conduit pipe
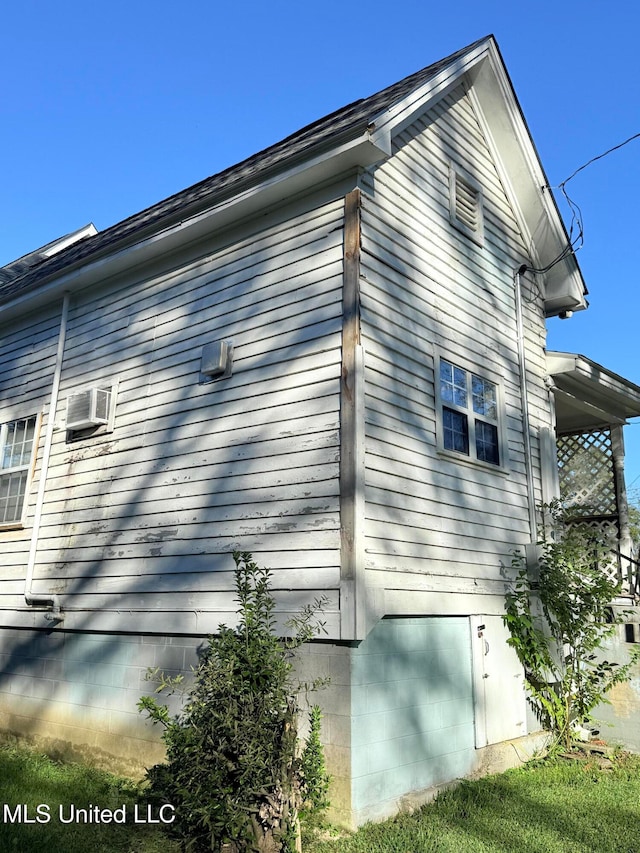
526,426
50,600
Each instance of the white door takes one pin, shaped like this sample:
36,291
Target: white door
498,680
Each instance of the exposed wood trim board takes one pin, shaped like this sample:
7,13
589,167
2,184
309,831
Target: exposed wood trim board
352,431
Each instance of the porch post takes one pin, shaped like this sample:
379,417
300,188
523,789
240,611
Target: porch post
617,451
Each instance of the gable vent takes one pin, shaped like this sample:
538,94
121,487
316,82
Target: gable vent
88,409
465,198
467,204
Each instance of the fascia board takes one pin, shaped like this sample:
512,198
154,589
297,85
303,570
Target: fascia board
518,163
585,379
323,168
402,114
525,181
512,142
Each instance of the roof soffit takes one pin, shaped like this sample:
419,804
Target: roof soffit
524,179
516,158
355,136
588,394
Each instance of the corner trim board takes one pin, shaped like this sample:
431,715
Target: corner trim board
352,599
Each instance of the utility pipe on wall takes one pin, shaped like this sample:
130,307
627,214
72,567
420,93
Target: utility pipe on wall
526,427
51,599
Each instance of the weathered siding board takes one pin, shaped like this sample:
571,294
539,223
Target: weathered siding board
310,306
145,517
195,472
192,621
194,582
27,356
426,289
172,303
230,488
196,522
298,562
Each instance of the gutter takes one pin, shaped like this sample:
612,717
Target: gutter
127,245
47,600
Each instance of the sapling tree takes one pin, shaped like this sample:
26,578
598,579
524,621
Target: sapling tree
233,769
315,779
559,622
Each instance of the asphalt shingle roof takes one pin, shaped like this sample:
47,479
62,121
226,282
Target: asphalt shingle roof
348,122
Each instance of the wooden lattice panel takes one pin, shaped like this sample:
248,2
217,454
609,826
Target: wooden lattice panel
606,533
585,468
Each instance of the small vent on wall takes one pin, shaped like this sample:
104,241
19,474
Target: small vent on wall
465,204
87,409
217,361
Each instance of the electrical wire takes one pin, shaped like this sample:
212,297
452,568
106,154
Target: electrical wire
598,157
576,225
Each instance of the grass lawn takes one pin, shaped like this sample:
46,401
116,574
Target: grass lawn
553,807
549,807
32,780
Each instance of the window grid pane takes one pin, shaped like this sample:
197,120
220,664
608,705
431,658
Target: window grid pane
17,439
12,494
464,395
487,442
455,431
453,384
484,397
19,443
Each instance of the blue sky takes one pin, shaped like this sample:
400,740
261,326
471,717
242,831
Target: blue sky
108,108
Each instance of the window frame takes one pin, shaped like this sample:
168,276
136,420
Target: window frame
471,458
29,467
458,174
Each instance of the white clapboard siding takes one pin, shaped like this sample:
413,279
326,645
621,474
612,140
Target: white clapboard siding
290,601
27,357
432,523
193,522
173,302
308,307
146,517
294,569
147,583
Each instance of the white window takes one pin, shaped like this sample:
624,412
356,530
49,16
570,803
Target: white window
469,414
17,450
466,204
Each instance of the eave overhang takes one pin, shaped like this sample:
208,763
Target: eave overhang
587,395
354,138
516,158
194,225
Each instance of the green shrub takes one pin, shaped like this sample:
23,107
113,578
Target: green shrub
233,771
565,676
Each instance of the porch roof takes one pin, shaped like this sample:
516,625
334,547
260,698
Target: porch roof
587,395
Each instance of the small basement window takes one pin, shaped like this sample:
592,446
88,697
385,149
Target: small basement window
466,204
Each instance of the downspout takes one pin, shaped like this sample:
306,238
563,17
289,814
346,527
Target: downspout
526,427
49,600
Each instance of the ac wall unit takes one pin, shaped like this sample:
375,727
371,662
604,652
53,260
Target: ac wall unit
88,409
